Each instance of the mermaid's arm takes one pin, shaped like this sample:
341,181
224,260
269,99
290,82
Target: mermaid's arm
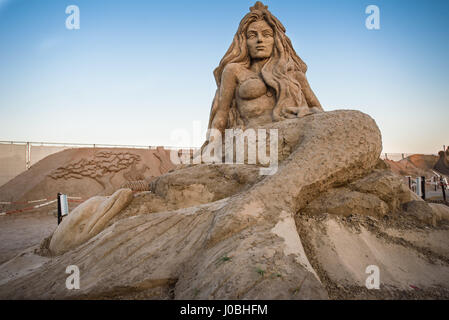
312,100
225,95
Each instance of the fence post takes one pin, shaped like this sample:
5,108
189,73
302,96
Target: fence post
28,156
443,189
59,208
418,186
423,187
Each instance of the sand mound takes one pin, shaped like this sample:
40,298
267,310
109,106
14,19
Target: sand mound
21,231
412,258
414,165
85,172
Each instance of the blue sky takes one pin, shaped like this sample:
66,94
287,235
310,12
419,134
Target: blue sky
136,71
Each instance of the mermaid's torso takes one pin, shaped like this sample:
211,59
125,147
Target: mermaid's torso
255,100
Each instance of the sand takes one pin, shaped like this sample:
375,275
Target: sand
414,165
23,230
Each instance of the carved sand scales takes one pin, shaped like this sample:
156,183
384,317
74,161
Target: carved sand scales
223,231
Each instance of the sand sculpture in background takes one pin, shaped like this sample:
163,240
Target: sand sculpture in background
219,231
103,164
442,164
87,172
416,165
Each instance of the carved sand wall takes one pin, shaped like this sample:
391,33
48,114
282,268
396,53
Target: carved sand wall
101,164
85,172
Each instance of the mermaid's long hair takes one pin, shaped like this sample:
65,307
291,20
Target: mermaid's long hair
276,72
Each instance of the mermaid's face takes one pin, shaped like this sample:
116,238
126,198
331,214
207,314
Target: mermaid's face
259,40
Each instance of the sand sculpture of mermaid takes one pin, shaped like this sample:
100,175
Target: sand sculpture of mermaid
197,214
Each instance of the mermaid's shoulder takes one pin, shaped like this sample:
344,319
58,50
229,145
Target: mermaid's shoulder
233,68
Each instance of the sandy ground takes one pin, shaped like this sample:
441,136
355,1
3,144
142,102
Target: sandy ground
20,231
436,195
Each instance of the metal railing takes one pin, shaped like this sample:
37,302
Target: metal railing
401,156
93,145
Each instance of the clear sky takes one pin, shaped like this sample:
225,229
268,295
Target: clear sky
136,71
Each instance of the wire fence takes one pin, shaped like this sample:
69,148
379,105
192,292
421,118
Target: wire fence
90,145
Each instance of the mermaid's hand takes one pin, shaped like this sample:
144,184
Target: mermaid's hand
295,112
316,110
